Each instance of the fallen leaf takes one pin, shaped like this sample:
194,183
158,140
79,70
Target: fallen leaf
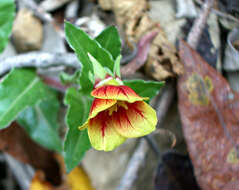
209,111
15,141
163,61
132,16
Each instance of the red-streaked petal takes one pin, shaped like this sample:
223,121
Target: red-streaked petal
138,120
99,105
102,134
123,93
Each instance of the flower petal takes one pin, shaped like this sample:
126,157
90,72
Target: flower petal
102,134
120,92
138,120
99,105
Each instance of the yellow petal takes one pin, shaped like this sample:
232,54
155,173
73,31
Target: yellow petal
102,134
137,120
98,105
77,179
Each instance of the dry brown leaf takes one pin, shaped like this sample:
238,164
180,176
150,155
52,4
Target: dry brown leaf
163,61
133,18
209,111
17,143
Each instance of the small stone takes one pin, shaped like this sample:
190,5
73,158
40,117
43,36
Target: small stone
27,31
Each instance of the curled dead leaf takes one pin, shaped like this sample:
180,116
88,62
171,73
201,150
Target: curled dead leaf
163,61
15,141
133,18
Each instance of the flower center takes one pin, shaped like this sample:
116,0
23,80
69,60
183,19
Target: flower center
114,108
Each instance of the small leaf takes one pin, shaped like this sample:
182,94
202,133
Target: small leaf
76,141
99,71
144,88
117,66
82,44
70,79
7,13
40,120
19,89
110,40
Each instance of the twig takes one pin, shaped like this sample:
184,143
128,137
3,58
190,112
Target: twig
38,60
142,54
138,157
220,13
135,163
199,24
166,97
22,172
42,15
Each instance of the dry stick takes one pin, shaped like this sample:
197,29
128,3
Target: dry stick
199,24
38,60
220,13
134,164
42,15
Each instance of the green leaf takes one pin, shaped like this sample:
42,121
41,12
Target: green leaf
41,120
76,141
19,89
70,79
117,66
7,13
145,88
99,71
82,44
110,40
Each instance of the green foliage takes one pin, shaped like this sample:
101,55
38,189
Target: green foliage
110,40
76,141
19,89
82,44
40,122
70,79
144,88
7,13
117,66
99,71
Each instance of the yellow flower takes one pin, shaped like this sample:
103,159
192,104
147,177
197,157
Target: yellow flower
117,113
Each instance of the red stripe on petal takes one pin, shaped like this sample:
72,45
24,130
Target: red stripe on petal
99,105
123,93
138,120
102,134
